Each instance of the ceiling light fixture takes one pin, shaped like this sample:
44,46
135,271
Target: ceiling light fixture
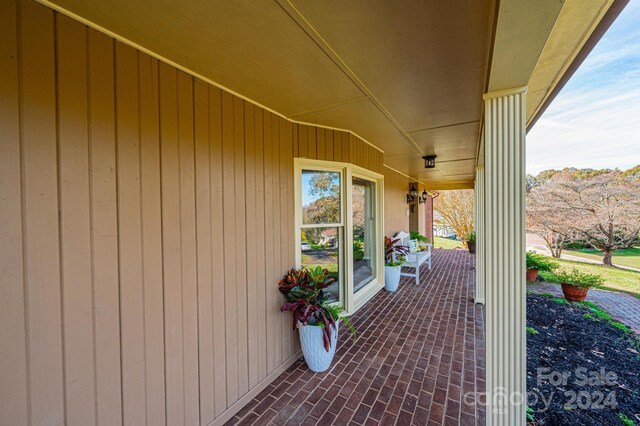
429,161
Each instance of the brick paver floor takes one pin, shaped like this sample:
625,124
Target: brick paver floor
419,359
622,307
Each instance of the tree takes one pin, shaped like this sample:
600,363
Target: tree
456,208
601,208
324,189
543,219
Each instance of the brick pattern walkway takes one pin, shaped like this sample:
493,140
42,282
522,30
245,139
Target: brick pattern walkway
623,307
420,350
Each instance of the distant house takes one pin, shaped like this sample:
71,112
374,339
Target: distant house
328,237
441,228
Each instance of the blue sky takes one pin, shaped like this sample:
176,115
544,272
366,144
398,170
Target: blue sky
595,120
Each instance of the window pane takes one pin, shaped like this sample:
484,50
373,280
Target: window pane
364,233
320,197
321,247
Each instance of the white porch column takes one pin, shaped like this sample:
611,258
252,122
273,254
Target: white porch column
480,239
504,213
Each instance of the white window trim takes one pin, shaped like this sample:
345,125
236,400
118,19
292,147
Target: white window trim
352,302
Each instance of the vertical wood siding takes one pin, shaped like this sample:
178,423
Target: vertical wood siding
146,219
396,216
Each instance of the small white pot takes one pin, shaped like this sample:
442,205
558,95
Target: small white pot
392,277
316,357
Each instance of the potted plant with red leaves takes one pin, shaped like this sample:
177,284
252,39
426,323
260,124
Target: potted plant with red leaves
316,320
394,258
575,284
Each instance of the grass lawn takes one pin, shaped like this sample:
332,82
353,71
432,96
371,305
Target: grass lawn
309,262
626,257
615,279
446,243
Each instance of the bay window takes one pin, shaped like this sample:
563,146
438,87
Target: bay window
338,224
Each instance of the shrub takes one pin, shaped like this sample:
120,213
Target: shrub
415,235
540,262
578,245
471,238
358,250
576,278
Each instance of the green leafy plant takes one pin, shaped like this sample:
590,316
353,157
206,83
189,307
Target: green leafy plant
358,250
626,420
530,414
392,249
540,262
304,289
471,237
415,235
576,278
620,326
532,330
338,312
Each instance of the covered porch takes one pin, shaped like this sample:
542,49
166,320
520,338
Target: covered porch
157,179
419,359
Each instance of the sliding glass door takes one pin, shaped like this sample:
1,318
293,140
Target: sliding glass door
363,232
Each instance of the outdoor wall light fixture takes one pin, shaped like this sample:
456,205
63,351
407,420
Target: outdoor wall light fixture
423,197
412,196
429,161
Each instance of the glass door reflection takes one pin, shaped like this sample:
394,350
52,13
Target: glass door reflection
364,232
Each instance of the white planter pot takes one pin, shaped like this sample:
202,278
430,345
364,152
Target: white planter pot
316,357
392,277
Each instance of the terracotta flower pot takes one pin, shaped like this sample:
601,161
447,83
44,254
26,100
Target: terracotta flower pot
472,247
574,293
532,274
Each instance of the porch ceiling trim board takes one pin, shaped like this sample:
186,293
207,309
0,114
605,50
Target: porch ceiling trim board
308,28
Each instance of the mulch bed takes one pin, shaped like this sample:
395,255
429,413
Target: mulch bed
580,371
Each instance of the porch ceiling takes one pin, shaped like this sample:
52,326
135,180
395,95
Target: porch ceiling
406,76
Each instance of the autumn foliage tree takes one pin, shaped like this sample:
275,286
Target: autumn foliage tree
601,209
546,219
456,208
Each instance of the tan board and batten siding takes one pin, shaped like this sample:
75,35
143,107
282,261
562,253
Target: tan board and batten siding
146,218
396,210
